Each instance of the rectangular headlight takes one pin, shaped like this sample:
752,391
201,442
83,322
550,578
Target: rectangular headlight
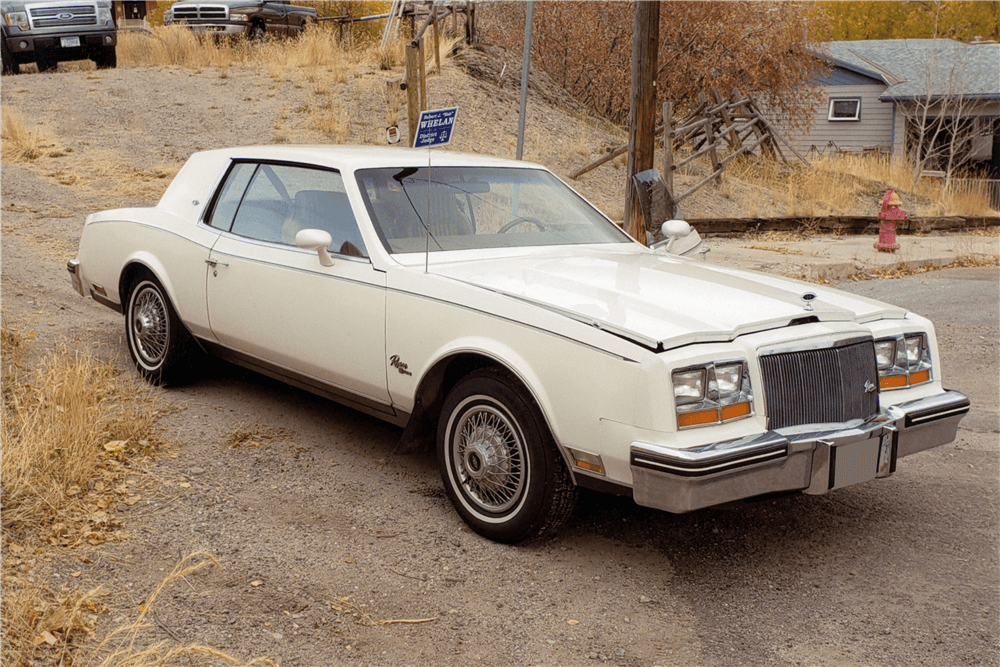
712,393
903,361
728,378
689,386
885,353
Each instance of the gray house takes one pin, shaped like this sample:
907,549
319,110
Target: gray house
894,96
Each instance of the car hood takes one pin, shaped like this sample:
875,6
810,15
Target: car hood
662,301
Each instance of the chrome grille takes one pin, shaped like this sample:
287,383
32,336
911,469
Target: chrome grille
203,12
820,386
62,16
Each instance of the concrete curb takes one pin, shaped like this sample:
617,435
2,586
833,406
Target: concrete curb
842,258
838,224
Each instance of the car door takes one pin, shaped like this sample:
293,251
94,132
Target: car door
275,304
277,17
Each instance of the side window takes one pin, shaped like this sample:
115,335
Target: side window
844,109
231,195
283,200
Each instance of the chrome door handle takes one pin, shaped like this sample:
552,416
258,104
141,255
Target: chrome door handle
214,262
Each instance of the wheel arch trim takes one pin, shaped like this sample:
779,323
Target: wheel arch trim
450,365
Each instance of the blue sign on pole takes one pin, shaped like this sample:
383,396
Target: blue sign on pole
434,127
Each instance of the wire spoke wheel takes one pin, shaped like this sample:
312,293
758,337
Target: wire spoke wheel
489,457
149,326
499,463
157,340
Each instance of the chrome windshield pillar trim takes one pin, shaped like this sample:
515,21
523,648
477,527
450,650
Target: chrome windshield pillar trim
813,459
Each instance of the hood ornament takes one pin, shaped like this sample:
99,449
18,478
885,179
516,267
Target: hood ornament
808,298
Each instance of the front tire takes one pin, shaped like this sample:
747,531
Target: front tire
498,461
157,341
106,58
10,66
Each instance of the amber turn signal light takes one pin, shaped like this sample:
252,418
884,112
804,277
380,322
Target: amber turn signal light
892,381
734,411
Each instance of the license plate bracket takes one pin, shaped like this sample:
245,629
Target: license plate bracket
887,449
863,461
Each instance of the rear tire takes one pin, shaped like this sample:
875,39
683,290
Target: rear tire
498,461
159,344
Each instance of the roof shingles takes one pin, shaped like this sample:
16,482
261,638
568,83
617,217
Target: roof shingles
914,68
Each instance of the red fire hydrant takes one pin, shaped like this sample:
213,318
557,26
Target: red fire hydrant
890,213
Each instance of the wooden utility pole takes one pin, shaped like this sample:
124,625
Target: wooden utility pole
642,110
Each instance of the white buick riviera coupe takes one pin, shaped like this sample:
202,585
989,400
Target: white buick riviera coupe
483,305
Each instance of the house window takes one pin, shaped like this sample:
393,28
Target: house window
845,109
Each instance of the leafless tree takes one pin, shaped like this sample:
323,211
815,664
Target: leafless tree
940,118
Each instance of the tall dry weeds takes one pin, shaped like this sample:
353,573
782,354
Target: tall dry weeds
71,425
64,421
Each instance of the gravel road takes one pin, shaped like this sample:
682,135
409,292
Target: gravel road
328,540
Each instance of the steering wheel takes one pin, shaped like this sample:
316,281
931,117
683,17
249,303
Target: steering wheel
516,221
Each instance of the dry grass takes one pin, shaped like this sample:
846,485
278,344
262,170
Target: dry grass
257,435
20,142
903,270
68,422
126,645
98,172
317,49
833,185
73,428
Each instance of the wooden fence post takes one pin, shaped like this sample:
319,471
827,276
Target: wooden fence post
412,90
423,76
710,138
734,141
437,39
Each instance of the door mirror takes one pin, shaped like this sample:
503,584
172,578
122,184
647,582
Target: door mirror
317,240
681,237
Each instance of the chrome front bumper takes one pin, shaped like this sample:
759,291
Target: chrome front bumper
73,266
801,458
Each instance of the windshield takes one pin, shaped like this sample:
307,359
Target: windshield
478,207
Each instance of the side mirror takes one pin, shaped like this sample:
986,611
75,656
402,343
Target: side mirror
681,237
318,240
675,229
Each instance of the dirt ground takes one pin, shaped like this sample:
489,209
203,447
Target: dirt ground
312,515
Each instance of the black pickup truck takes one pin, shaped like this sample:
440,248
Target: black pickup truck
48,33
241,18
